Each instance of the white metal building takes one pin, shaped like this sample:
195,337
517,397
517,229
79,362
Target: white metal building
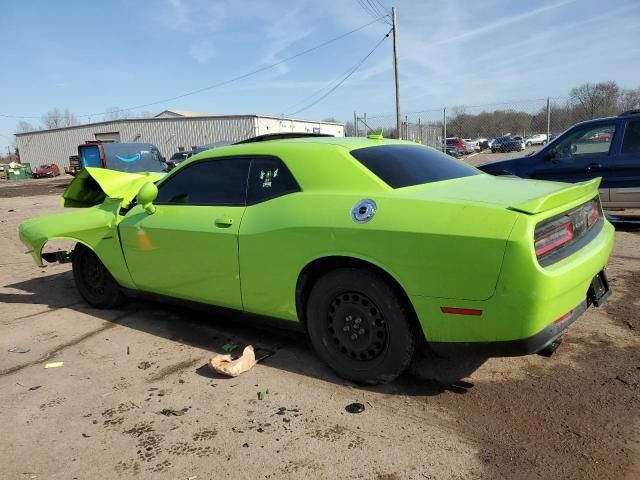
171,131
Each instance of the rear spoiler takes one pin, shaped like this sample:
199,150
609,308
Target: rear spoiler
586,190
92,185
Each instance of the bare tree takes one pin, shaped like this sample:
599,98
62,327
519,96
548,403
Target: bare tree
116,113
630,99
24,127
349,129
69,119
52,119
596,100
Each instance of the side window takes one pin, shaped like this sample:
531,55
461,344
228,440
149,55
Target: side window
210,182
586,141
269,178
631,142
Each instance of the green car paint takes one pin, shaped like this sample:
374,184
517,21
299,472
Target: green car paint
462,243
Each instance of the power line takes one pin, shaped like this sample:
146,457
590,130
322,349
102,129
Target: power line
375,7
344,79
222,83
384,9
373,11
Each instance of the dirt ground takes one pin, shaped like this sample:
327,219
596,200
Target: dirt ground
134,397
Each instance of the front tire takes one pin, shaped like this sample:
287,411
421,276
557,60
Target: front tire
94,282
359,326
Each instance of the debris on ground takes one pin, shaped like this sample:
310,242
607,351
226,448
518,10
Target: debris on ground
262,353
229,347
53,364
19,350
170,412
35,387
144,365
226,365
355,408
263,393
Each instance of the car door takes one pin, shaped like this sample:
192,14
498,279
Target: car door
624,180
582,155
188,248
268,266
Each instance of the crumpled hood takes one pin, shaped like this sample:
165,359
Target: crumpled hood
92,185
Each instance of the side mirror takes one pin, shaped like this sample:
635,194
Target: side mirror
146,195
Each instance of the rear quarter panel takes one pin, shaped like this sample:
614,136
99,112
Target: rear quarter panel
436,249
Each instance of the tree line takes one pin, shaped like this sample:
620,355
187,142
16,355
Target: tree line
57,118
585,102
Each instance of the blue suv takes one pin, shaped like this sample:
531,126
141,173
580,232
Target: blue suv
605,147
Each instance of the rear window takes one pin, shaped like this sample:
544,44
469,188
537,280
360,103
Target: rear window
406,165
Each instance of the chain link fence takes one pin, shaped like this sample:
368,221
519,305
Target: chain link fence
520,118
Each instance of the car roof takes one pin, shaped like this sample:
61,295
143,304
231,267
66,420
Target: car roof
267,147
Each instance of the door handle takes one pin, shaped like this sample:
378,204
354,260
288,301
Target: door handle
593,166
224,222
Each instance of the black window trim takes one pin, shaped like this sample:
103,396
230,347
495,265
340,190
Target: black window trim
624,136
249,157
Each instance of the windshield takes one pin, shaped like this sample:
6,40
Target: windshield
406,165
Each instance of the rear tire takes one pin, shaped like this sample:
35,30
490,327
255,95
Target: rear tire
94,282
359,326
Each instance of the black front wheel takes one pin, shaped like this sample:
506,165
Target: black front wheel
359,326
94,282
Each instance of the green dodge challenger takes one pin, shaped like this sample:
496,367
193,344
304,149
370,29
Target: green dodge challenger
377,247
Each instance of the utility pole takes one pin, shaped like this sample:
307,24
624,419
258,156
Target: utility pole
395,69
355,125
444,129
548,119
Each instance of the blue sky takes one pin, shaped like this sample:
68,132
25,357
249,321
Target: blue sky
90,56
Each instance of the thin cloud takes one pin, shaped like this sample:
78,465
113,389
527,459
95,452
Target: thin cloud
202,52
497,24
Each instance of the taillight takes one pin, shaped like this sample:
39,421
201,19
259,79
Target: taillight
553,239
594,214
569,227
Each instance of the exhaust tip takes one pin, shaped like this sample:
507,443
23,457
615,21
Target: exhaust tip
550,349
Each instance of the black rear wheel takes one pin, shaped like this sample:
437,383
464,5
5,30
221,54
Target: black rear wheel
94,282
359,326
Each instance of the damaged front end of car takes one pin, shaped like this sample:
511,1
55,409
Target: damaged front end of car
95,197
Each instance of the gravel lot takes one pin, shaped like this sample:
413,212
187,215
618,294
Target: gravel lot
574,415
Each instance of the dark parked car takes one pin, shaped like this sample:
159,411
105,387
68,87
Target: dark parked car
177,158
124,157
456,146
507,144
605,147
47,170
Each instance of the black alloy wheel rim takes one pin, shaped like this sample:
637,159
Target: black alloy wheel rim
95,276
356,327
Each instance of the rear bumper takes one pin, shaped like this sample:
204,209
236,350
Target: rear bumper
510,348
520,317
